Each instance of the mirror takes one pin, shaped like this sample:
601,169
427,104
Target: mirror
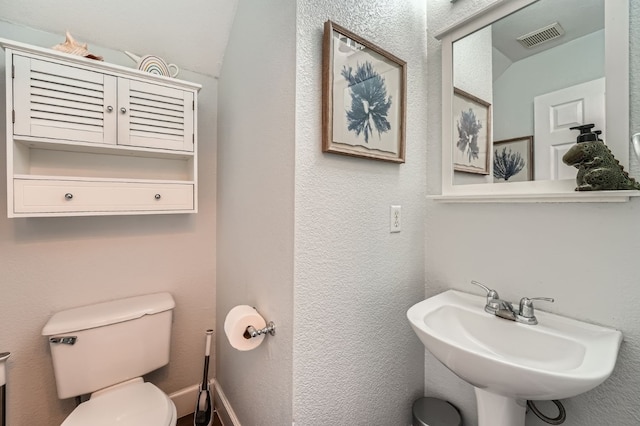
508,105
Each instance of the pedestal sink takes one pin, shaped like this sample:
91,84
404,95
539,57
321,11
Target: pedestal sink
508,362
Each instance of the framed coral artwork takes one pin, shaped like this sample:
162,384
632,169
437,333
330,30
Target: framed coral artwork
471,133
513,160
363,97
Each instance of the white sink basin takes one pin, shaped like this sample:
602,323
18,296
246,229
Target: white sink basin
555,359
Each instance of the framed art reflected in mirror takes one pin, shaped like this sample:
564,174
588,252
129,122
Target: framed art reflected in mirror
471,133
513,160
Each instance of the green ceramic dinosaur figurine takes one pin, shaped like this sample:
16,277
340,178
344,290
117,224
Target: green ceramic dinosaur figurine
598,169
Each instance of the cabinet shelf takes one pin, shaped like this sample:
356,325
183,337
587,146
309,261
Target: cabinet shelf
100,179
73,146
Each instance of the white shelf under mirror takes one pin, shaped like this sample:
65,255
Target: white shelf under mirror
539,197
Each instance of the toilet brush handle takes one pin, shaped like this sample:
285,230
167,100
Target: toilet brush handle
3,381
207,345
207,349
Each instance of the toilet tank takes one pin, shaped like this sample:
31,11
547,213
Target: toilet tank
96,346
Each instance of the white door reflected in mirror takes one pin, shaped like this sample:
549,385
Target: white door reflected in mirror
555,114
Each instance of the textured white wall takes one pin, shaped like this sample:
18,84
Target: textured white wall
356,360
255,205
50,264
584,255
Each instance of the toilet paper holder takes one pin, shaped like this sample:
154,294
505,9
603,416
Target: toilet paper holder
251,331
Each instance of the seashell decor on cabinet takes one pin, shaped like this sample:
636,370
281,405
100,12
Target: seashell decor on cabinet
71,46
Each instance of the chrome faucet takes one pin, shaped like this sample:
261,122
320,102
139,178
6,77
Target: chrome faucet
504,309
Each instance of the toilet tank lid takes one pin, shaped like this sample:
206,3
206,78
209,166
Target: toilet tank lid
107,313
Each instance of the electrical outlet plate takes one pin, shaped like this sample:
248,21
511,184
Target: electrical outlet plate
395,219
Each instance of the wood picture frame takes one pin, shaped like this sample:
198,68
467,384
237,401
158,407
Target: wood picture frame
363,97
471,133
513,160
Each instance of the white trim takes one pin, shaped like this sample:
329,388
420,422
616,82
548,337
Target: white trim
225,411
616,70
543,191
478,19
558,197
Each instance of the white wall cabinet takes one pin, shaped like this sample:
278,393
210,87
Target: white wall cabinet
91,138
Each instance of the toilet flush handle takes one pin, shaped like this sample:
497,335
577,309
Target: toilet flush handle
67,340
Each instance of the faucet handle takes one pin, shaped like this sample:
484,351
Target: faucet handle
491,294
493,300
526,306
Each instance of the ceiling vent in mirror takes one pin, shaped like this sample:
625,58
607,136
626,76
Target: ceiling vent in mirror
541,35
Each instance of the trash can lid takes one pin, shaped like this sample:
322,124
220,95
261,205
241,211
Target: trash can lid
435,412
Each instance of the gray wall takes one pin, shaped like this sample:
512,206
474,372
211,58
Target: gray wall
304,236
255,206
584,255
51,264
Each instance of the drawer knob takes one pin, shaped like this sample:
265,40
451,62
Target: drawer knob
123,110
109,108
157,196
68,196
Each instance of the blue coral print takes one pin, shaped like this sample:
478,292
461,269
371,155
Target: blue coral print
369,102
468,130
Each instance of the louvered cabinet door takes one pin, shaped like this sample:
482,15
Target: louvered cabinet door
63,102
155,116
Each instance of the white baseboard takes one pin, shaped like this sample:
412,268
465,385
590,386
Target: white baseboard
185,399
225,411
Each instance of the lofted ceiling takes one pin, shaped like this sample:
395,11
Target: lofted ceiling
190,33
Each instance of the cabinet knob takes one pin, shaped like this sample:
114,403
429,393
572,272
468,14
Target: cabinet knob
109,108
157,196
123,110
68,196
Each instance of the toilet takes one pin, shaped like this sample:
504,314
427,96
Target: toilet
103,350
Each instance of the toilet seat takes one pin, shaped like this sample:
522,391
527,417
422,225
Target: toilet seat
136,404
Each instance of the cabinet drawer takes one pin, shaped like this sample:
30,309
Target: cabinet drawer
57,196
